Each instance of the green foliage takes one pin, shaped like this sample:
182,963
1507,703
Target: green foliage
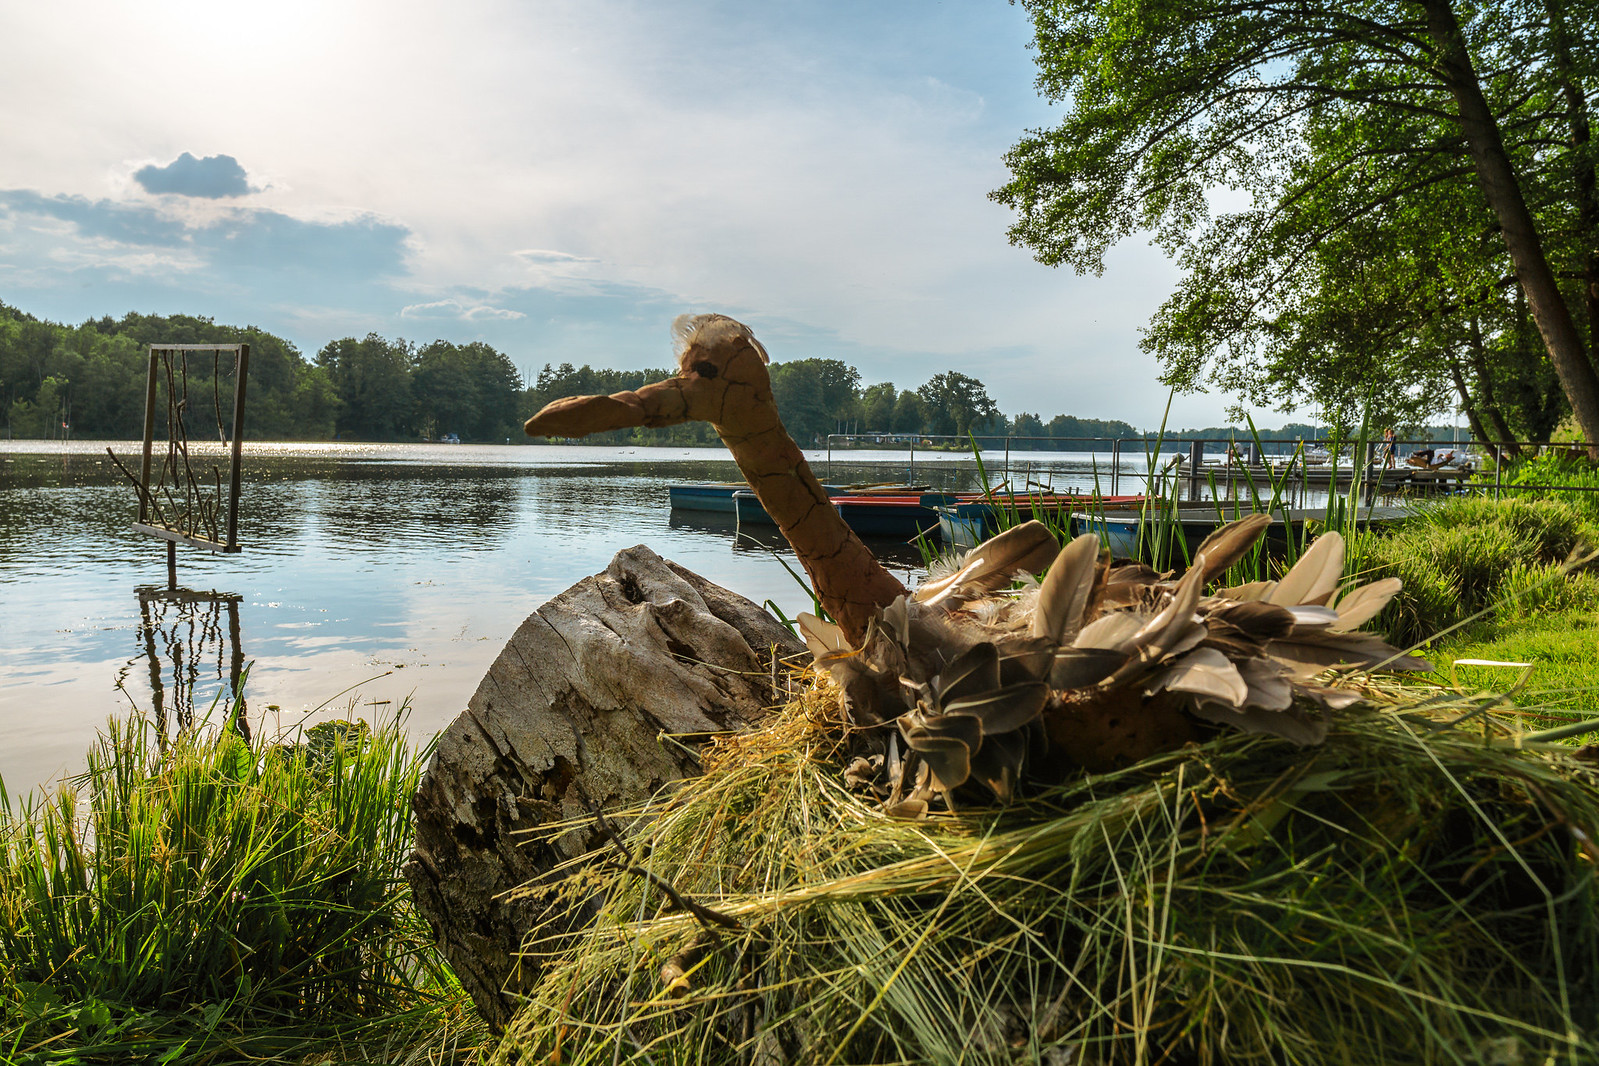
1470,555
1531,478
216,901
1365,264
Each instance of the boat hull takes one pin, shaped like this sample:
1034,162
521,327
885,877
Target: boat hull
1120,531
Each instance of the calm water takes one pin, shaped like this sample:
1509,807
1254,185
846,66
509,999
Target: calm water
371,574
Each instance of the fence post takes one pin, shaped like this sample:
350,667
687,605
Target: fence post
1115,465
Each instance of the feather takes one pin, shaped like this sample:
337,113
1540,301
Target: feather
999,764
1309,652
1063,597
1270,684
1252,592
822,637
946,743
1113,631
1226,545
1363,604
1081,667
1003,710
1311,615
1203,672
1316,574
975,672
1028,547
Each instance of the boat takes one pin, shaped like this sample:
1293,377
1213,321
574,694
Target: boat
717,496
1119,530
966,523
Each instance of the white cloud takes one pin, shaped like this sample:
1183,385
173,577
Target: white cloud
506,170
453,308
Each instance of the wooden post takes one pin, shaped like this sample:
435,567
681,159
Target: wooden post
241,377
149,435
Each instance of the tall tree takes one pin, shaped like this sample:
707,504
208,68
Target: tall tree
372,378
1324,115
956,404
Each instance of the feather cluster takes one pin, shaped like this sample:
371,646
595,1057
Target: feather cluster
1100,663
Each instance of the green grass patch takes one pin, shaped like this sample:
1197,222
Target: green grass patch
199,899
1461,558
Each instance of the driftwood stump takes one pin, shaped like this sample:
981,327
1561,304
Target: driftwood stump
572,711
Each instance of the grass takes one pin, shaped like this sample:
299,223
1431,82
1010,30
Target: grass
200,899
1404,893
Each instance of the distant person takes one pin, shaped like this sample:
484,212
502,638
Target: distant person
1390,454
1431,458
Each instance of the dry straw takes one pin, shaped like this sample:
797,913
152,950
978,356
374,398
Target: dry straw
1409,891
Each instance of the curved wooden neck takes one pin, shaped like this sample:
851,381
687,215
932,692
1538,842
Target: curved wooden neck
848,579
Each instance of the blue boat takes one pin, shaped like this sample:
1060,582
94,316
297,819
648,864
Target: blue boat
966,523
716,497
1120,531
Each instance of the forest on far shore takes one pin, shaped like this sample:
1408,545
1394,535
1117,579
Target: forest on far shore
88,381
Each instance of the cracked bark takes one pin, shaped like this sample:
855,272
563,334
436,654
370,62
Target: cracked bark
572,710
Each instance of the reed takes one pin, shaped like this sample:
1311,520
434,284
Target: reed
202,899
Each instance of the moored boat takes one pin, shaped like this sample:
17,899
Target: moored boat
966,523
1120,530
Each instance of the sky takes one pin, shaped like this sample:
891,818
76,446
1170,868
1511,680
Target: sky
561,179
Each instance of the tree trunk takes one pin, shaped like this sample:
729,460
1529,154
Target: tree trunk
1583,166
1497,179
601,697
1496,416
1466,405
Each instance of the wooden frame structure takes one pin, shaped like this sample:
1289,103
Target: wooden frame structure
195,523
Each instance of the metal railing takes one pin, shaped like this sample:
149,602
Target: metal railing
1237,463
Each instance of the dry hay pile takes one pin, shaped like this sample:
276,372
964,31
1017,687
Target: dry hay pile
1407,892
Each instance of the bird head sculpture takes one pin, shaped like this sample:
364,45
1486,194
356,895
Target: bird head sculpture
722,379
971,680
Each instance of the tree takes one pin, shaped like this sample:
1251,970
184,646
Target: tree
956,404
1330,118
472,390
372,379
877,407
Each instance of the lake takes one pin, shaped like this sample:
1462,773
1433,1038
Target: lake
370,576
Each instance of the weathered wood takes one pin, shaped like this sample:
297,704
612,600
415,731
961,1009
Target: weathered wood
573,709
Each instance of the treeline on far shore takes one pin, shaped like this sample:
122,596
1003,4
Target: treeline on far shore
88,381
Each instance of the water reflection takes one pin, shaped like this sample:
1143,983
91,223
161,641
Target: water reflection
192,651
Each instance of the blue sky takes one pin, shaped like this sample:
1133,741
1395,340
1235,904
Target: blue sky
561,179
